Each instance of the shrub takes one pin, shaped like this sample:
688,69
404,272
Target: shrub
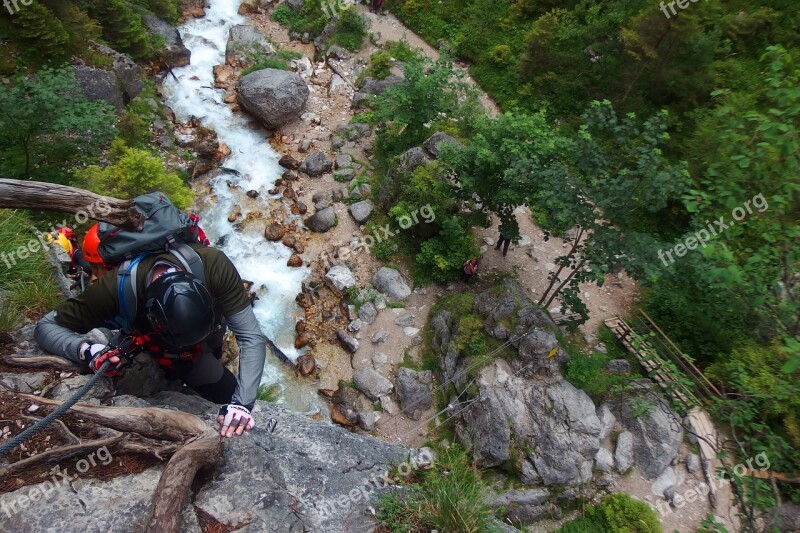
618,513
134,172
588,373
442,256
350,30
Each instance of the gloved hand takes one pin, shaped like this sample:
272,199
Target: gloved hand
97,354
234,418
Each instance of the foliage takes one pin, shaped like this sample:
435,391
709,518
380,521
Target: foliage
134,172
26,280
133,125
269,393
441,257
47,126
309,19
123,28
280,60
618,513
588,372
350,29
450,497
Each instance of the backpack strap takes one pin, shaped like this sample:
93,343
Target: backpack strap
189,258
126,291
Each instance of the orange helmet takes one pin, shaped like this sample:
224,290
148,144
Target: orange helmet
91,245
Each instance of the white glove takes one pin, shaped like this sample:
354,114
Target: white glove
97,354
237,416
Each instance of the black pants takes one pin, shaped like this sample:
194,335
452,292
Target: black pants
505,242
466,277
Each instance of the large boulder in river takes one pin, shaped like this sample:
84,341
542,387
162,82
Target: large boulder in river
246,44
273,96
391,283
175,53
260,468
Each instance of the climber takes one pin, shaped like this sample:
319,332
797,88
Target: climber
469,269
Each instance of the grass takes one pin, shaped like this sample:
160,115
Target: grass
450,497
28,283
618,513
280,61
269,393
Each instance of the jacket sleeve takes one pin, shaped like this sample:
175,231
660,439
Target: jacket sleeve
57,339
252,354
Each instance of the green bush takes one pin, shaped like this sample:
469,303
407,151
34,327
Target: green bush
441,257
309,19
134,172
350,30
618,513
588,373
450,497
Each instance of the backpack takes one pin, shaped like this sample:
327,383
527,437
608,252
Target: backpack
165,229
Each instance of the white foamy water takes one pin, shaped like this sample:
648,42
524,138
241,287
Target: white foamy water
258,260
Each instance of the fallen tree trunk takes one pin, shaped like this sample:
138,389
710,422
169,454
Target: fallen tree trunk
17,194
44,361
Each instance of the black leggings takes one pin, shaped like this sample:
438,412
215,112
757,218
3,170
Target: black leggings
505,242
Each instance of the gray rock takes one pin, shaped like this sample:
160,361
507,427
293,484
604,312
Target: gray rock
414,391
316,164
368,419
177,401
345,174
389,405
127,71
361,100
380,336
371,383
405,320
416,340
521,497
348,343
607,420
340,278
144,377
273,96
343,161
337,52
380,358
305,146
528,474
355,326
412,158
410,332
98,84
246,44
693,463
175,53
623,455
502,527
100,390
26,383
295,5
321,221
60,506
434,143
391,283
619,366
373,86
657,435
322,199
361,211
336,142
524,506
664,482
368,313
604,461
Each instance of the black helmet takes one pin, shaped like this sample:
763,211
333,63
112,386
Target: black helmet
180,309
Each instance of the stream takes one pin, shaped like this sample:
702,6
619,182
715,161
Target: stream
253,165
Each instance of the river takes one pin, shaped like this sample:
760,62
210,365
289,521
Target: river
255,166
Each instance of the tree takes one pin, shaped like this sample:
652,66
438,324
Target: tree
46,126
134,172
41,30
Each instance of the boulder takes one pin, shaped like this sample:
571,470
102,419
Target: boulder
524,506
607,420
23,382
693,463
412,158
604,461
128,73
273,96
623,455
246,44
371,383
665,483
175,53
275,231
391,283
657,436
619,366
404,321
343,161
98,84
361,211
373,86
316,164
368,419
321,221
295,261
414,391
339,278
379,336
434,143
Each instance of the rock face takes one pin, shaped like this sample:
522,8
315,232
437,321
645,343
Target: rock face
258,477
175,53
98,84
524,404
273,96
245,45
657,435
127,71
391,283
414,391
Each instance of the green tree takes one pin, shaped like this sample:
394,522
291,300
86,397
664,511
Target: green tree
43,35
134,172
123,27
46,126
